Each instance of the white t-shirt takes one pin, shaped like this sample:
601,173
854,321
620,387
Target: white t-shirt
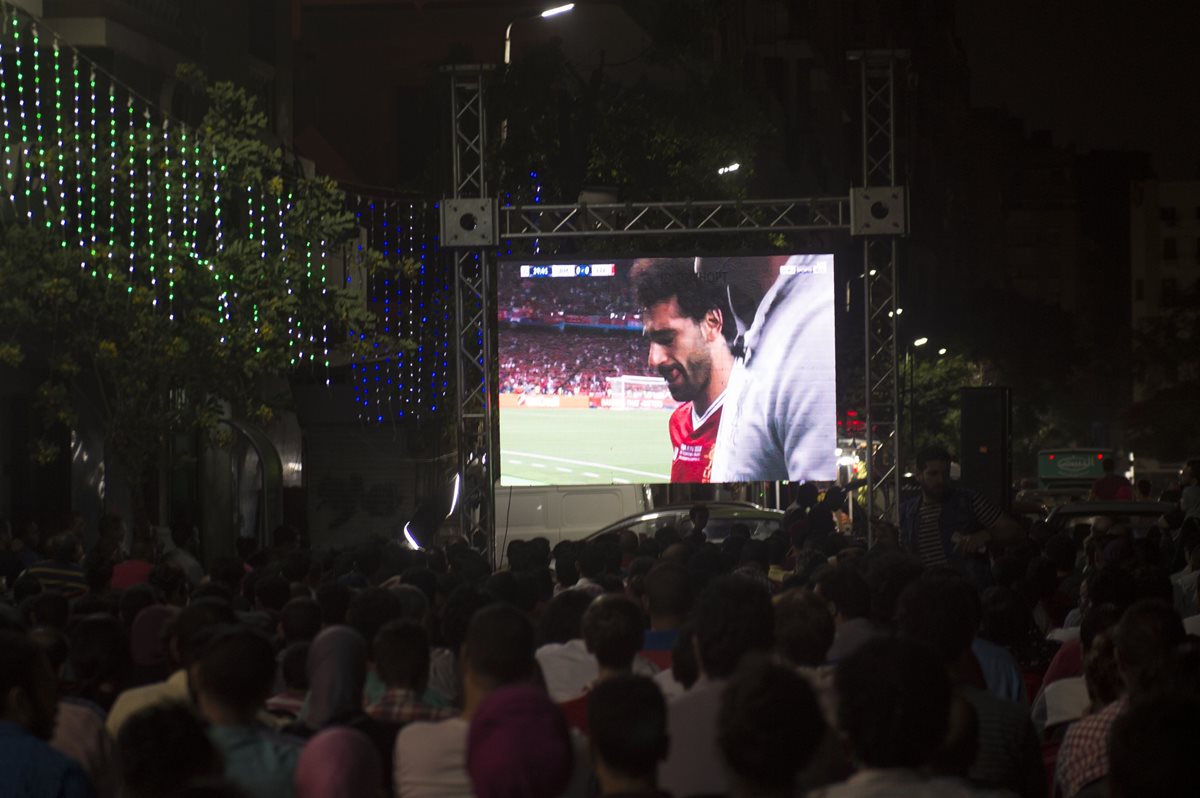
431,760
780,415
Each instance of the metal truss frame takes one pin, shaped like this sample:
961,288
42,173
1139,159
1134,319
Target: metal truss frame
472,294
880,286
522,222
472,267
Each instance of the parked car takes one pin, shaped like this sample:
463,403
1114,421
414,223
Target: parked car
722,516
1138,516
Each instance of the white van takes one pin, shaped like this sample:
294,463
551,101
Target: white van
560,513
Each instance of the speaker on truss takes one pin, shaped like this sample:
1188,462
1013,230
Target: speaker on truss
468,223
878,211
986,453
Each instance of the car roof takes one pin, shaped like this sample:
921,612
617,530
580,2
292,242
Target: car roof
717,511
1111,508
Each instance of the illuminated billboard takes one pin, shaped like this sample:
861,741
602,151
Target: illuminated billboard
696,369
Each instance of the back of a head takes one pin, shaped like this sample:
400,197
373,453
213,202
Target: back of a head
499,646
24,666
804,629
338,763
627,725
1111,584
192,623
461,605
893,702
590,559
134,600
300,620
272,592
402,655
1153,747
237,669
162,747
1062,551
48,608
733,617
334,600
414,605
846,589
423,579
99,652
768,726
371,609
941,610
613,628
889,573
562,620
296,566
1007,619
519,745
1146,638
228,571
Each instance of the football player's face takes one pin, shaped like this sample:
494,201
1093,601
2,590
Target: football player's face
679,350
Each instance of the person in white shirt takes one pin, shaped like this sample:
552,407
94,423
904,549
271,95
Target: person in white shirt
431,757
780,408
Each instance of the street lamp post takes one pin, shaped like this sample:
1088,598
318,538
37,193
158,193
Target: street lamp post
549,12
910,362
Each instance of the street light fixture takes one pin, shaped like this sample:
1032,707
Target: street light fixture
549,12
733,167
942,351
920,342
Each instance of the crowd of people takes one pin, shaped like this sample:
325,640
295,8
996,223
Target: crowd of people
553,361
583,296
626,665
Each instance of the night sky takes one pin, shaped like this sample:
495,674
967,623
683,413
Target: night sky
1100,75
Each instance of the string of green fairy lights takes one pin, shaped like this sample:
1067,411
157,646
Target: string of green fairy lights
141,196
123,184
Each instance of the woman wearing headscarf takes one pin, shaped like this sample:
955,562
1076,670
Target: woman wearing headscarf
519,746
337,672
339,763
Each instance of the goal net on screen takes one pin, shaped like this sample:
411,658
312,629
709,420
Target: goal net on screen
635,393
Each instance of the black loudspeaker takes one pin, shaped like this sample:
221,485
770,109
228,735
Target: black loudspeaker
986,451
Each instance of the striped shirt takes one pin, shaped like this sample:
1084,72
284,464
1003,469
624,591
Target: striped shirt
929,545
65,577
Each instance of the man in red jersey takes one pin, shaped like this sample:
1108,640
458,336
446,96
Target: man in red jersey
683,316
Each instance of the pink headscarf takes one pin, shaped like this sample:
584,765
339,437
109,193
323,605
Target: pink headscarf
519,746
339,763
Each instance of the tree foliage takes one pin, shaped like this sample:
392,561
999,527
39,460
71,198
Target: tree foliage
653,138
242,311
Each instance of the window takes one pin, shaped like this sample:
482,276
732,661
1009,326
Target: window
1168,216
1170,249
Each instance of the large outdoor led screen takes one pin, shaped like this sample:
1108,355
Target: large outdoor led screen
697,369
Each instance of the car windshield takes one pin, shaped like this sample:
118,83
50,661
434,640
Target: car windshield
760,528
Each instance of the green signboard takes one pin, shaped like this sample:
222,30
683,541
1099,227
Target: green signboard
1058,465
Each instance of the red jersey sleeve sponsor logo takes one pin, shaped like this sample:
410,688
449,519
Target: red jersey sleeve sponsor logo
693,448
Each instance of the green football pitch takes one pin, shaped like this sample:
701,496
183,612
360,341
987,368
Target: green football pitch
583,447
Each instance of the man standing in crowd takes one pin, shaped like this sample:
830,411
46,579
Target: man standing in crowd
684,318
780,409
949,525
1112,486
